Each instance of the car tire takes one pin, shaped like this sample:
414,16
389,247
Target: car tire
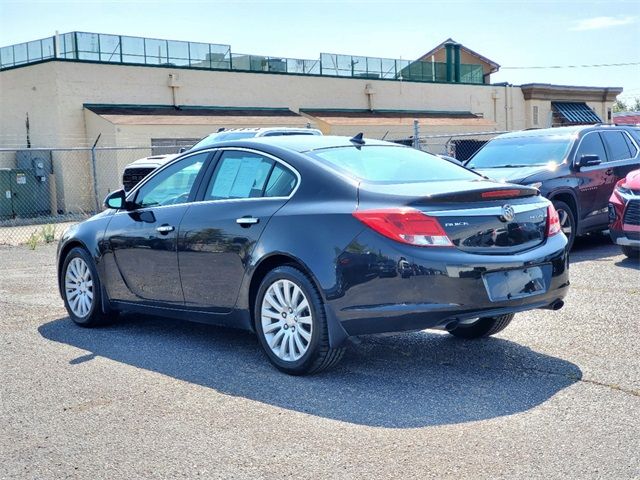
295,346
567,221
82,291
483,327
631,252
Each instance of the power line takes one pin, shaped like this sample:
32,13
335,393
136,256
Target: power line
572,66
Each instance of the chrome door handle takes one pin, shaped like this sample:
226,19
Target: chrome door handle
247,221
164,229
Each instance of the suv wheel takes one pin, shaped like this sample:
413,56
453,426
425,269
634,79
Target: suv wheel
291,323
567,221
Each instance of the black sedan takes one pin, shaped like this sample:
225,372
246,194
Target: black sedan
309,240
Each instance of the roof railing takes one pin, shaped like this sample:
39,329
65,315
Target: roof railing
123,49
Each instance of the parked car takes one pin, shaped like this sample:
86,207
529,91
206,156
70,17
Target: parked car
624,214
296,238
575,167
136,171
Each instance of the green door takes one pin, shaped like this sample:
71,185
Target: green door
24,192
6,209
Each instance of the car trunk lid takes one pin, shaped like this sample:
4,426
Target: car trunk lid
478,216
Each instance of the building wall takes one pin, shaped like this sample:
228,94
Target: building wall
55,107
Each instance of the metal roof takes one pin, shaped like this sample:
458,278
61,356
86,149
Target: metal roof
575,112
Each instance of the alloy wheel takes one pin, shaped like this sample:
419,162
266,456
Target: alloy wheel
287,321
78,286
565,223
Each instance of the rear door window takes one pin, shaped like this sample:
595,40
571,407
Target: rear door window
618,147
239,175
632,148
281,182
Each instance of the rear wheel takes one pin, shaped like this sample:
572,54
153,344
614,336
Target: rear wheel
81,290
291,323
567,221
483,327
631,252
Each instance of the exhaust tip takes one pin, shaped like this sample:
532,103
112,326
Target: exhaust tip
451,325
557,305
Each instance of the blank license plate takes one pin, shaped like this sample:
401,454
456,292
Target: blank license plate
520,283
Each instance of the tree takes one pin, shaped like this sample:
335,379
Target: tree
620,106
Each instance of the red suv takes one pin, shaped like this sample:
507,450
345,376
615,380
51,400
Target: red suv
624,214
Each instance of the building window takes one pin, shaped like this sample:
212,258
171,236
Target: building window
535,115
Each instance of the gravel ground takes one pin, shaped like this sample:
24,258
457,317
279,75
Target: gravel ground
555,395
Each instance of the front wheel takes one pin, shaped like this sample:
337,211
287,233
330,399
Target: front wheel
483,327
631,252
291,323
81,290
567,221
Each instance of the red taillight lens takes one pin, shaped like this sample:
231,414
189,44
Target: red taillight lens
553,221
500,193
405,225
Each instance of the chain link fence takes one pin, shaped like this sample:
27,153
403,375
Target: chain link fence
461,146
44,190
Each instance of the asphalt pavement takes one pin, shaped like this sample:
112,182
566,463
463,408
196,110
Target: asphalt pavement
555,395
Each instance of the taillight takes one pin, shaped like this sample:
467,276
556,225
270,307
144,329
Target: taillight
501,193
553,221
406,225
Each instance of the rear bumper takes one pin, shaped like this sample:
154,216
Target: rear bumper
433,287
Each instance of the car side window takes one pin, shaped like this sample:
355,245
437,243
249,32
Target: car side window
281,182
618,147
172,185
591,144
239,175
632,148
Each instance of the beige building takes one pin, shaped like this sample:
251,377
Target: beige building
81,86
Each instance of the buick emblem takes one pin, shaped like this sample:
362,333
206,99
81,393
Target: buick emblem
508,213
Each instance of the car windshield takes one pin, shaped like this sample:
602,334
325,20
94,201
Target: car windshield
222,137
521,152
391,164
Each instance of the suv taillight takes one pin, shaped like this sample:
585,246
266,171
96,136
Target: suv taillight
553,221
405,225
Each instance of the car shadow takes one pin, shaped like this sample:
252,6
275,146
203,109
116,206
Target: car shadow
402,381
627,262
593,247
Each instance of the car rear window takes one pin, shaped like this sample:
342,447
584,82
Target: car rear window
381,163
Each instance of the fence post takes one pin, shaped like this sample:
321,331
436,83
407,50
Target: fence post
416,134
93,173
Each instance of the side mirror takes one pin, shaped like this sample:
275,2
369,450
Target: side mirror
587,161
116,200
